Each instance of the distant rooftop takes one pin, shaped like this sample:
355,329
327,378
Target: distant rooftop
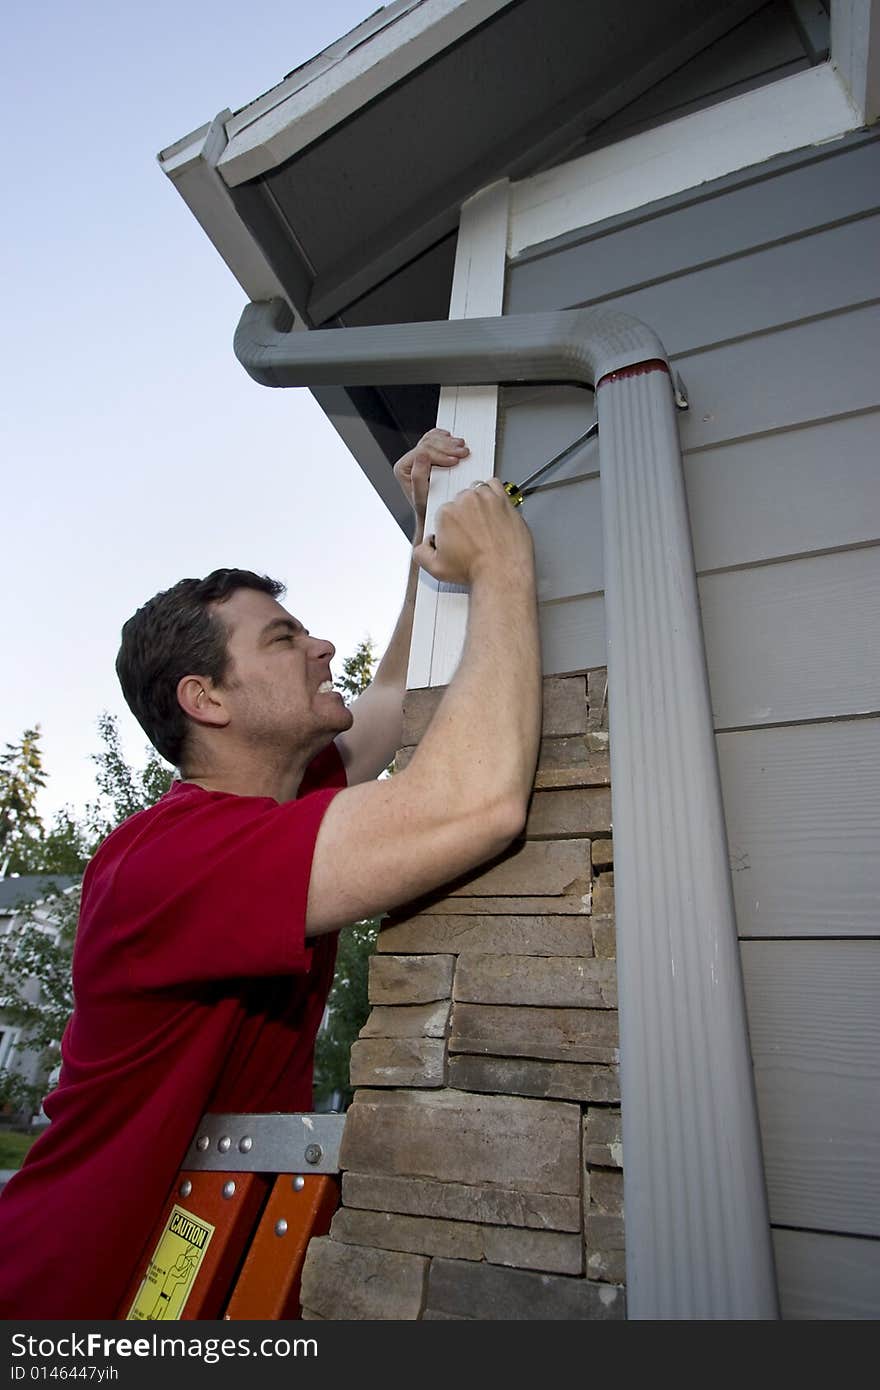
21,889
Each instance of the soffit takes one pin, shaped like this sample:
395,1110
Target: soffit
518,92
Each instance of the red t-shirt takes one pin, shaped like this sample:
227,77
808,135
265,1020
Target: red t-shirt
195,991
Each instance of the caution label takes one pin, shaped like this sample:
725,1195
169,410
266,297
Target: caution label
172,1270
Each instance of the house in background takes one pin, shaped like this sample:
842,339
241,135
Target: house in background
643,207
20,894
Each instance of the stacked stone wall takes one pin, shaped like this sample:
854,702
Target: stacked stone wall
482,1164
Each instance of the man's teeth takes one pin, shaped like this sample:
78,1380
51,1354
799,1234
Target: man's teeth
325,688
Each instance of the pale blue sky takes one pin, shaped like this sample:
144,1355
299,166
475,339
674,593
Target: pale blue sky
135,449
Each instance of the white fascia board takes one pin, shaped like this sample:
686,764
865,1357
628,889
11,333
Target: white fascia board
855,53
261,142
322,62
191,164
807,109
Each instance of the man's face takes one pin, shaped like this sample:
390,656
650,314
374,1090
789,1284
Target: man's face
278,685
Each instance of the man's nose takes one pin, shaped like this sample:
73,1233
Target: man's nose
323,650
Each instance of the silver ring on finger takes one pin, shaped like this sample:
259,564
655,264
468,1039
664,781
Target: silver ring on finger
481,483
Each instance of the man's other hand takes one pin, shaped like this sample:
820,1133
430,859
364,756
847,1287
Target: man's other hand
479,531
436,449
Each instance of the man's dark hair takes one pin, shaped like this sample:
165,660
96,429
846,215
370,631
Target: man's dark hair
173,635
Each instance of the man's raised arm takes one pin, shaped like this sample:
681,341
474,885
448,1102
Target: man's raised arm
374,737
465,794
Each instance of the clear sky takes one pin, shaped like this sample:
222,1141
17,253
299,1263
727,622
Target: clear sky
135,450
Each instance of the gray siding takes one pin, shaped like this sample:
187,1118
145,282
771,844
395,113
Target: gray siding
764,288
826,1277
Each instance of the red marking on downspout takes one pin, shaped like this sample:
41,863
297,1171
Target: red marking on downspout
654,364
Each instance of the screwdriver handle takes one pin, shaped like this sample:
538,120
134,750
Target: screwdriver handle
513,492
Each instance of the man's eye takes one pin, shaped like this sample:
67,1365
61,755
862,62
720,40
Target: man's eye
285,637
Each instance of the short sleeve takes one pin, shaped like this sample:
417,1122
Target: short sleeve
217,889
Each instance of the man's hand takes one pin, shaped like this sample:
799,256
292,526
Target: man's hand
478,532
436,449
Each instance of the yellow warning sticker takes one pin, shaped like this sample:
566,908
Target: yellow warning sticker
172,1270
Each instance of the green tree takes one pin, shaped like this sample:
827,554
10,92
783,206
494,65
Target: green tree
347,1010
21,778
357,670
347,1004
123,790
36,991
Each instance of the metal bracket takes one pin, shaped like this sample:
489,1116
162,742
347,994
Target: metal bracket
266,1144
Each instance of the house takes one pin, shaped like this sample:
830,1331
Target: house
31,894
664,217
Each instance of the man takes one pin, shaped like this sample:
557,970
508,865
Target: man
207,933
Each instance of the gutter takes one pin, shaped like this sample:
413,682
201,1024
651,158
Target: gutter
698,1240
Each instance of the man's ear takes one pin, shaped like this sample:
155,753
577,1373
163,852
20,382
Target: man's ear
202,701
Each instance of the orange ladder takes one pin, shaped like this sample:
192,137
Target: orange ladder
232,1237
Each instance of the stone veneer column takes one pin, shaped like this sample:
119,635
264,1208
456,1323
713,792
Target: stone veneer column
482,1165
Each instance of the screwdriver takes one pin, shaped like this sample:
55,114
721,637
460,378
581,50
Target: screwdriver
518,492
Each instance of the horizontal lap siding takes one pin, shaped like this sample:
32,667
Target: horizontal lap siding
765,291
826,1277
802,806
799,640
815,1033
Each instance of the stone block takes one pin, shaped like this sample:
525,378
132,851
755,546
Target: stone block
607,1265
351,1282
564,706
496,1206
410,979
489,1293
553,1251
419,707
542,868
580,811
606,1192
604,937
604,1245
575,905
398,1062
489,932
603,895
597,699
573,755
572,981
563,1035
602,854
407,1021
514,1076
603,1144
452,1136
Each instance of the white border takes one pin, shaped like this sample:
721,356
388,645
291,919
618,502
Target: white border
469,411
807,109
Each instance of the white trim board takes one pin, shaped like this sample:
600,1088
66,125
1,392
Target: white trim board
417,34
191,165
807,109
471,412
855,52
